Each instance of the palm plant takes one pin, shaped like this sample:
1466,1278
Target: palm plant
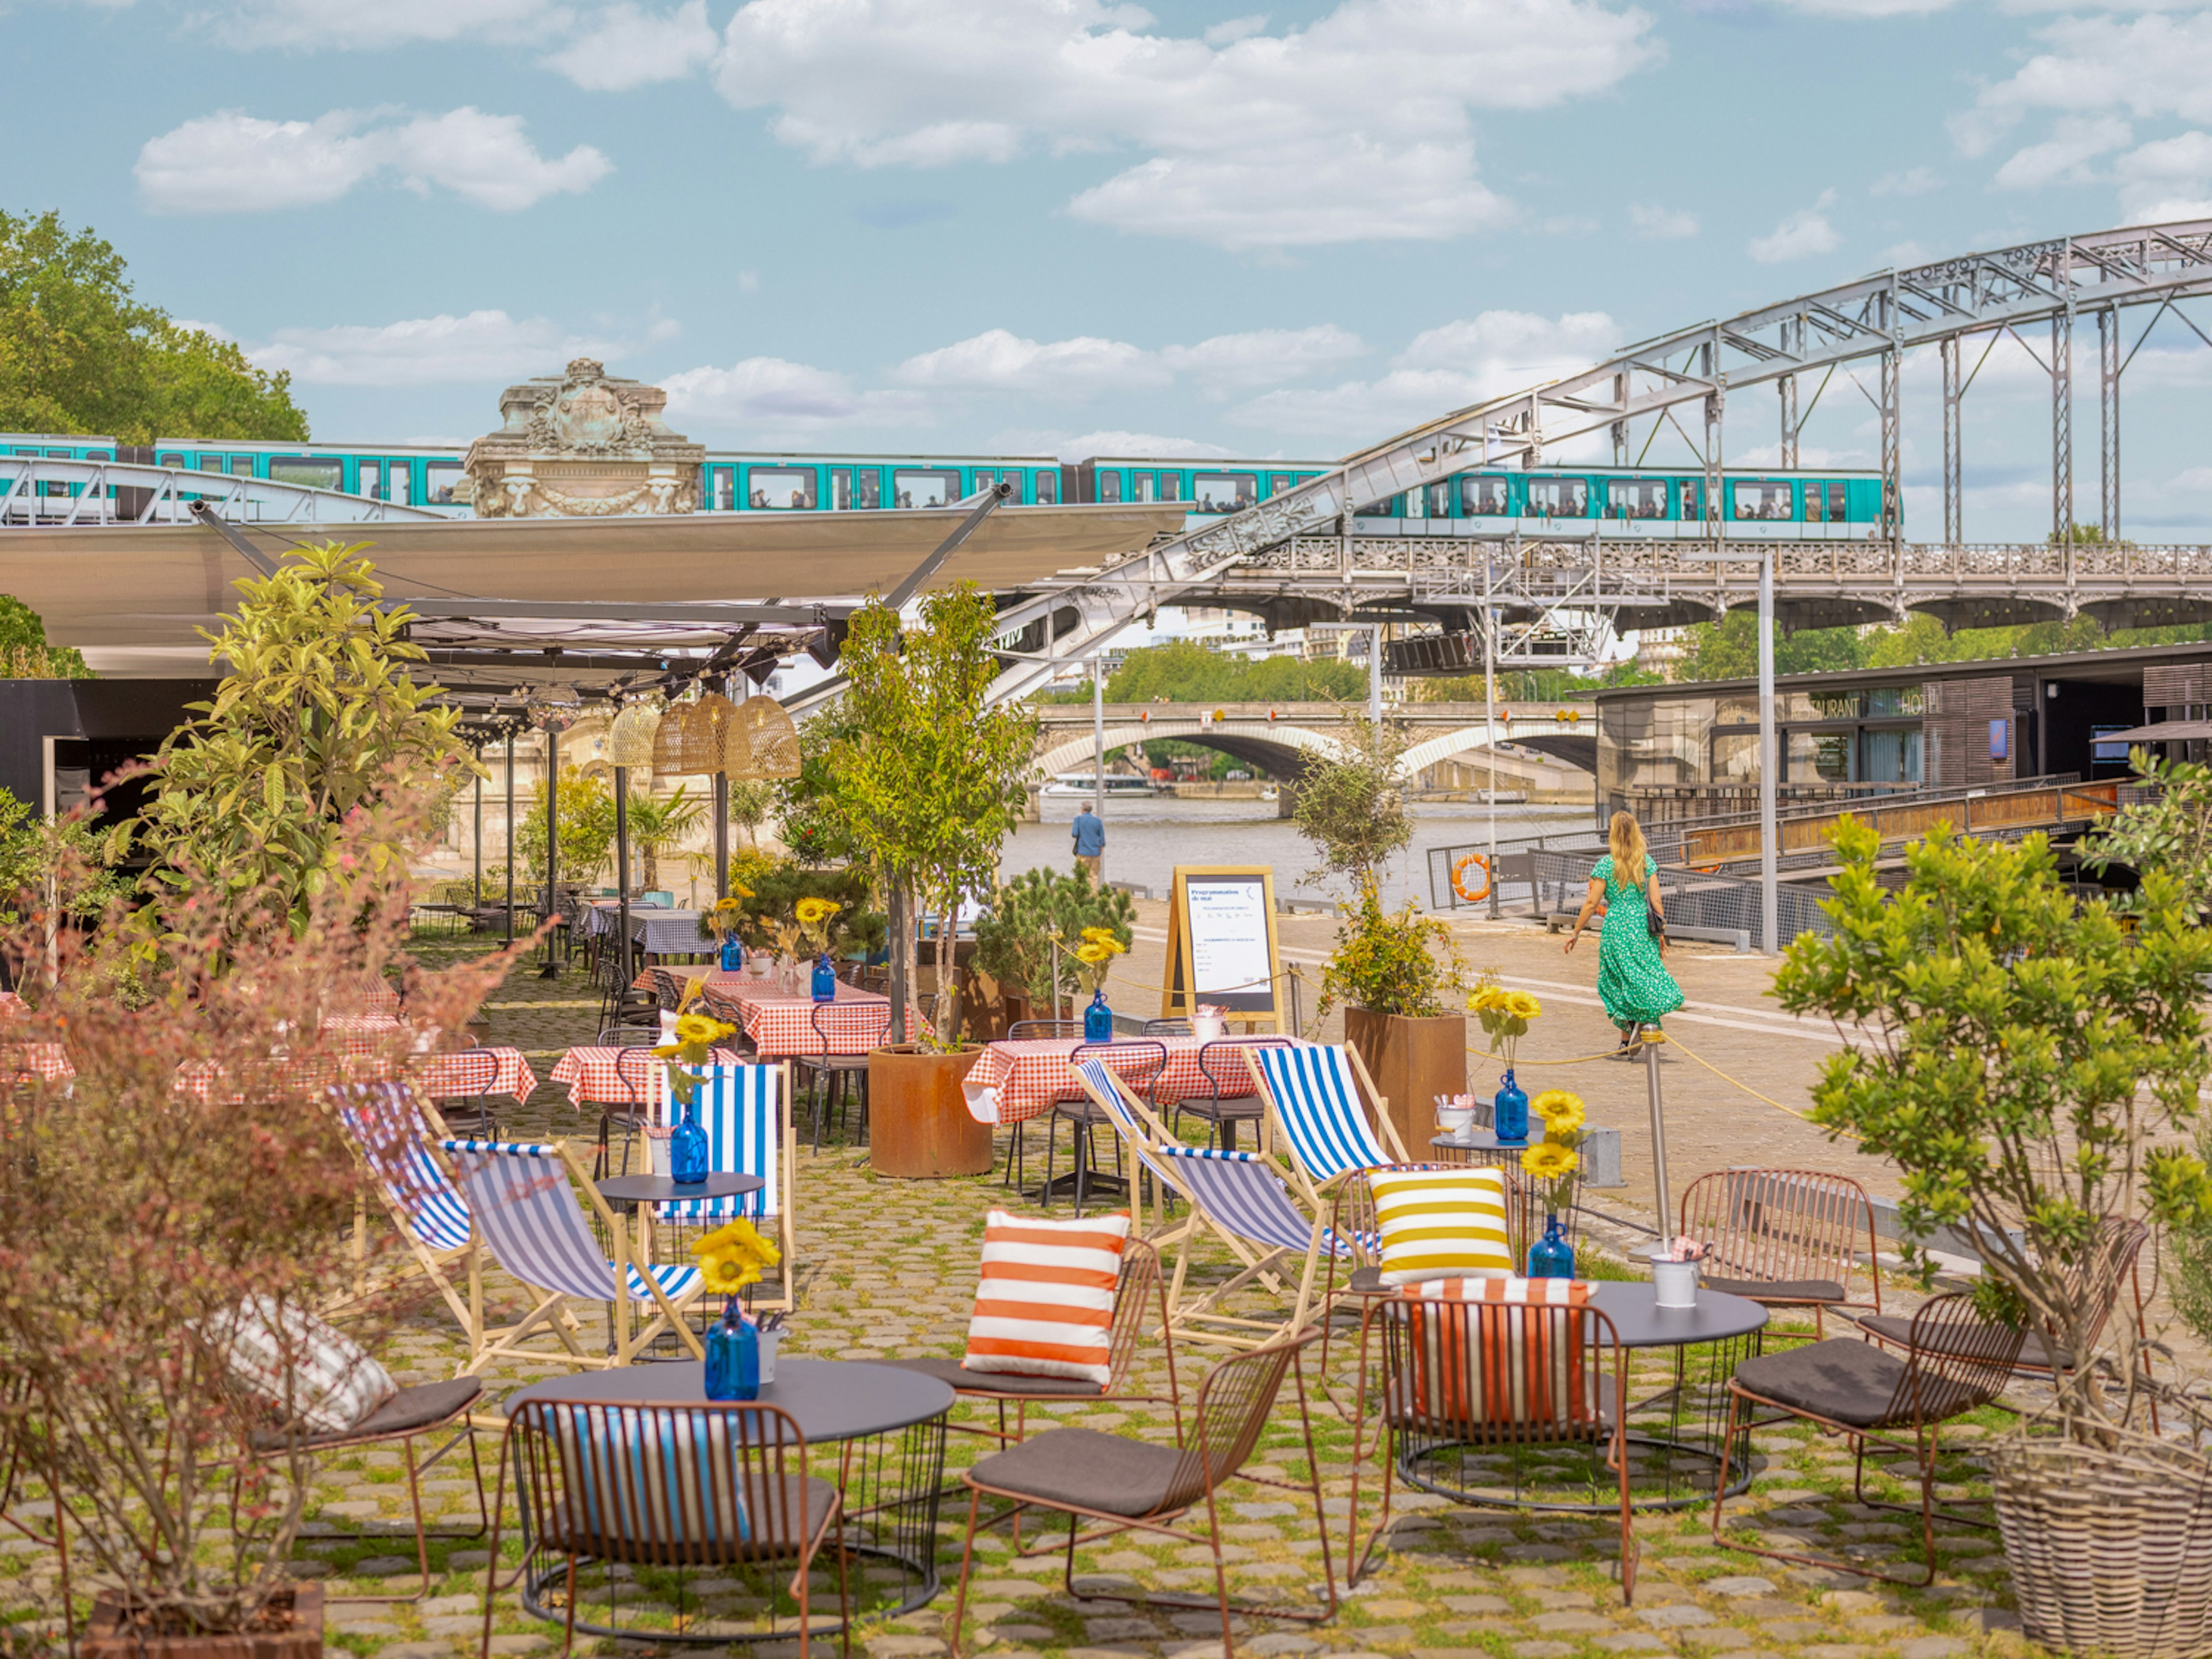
657,823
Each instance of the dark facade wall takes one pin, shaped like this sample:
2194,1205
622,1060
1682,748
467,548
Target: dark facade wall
2067,717
116,719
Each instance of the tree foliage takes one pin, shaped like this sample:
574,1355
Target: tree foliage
316,720
2169,828
2030,1066
1728,649
79,352
1353,806
1390,963
1187,671
923,777
585,818
24,652
1013,940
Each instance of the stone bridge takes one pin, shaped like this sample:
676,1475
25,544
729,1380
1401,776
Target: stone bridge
1538,750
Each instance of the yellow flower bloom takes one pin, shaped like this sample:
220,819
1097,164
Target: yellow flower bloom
724,1274
668,1051
1100,935
738,1238
1521,1004
700,1030
1483,999
739,890
1548,1161
813,912
1094,953
1560,1110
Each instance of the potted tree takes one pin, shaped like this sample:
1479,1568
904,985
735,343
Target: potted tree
1014,940
1391,970
2034,1072
922,780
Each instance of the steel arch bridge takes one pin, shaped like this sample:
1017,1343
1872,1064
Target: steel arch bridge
1550,600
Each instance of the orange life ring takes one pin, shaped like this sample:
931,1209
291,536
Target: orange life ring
1460,886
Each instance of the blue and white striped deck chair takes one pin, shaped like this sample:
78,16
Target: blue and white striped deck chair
527,1216
1313,1096
1239,1198
385,1124
746,1113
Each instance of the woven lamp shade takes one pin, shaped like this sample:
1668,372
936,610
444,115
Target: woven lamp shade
668,741
765,744
707,732
632,740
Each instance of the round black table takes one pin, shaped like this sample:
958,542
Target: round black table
1482,1148
888,1471
627,1192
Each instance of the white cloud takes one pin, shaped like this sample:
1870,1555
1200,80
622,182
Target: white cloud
1441,369
1083,446
770,396
309,25
1356,126
626,46
2073,143
2166,178
1654,221
998,360
1866,8
482,347
1913,181
233,162
1804,232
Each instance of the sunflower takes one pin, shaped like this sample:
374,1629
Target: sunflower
1100,936
1521,1004
813,912
1548,1161
1093,953
738,1238
1562,1112
700,1030
1484,999
724,1273
729,906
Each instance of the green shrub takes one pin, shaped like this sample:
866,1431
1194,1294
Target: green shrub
1013,941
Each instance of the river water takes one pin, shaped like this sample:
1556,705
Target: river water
1146,839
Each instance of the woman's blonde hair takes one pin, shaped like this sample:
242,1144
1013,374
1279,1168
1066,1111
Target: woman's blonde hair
1625,841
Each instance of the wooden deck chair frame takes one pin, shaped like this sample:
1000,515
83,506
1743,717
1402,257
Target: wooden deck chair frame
488,1344
434,1265
1201,1319
786,1228
1377,1104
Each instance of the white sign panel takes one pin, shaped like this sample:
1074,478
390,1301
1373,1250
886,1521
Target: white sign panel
1229,937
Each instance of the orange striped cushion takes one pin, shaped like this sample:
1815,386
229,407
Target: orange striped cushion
1045,1307
1514,1351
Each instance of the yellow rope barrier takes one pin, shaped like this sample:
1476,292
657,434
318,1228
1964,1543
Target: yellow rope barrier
1737,1082
1579,1059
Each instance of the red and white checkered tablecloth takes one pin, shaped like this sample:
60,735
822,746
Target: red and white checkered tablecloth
445,1076
590,1073
1014,1082
40,1058
781,1023
439,1075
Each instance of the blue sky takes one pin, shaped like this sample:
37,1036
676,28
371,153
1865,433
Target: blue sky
1065,226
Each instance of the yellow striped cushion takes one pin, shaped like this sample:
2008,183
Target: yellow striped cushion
1442,1222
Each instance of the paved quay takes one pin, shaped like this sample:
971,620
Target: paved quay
887,1269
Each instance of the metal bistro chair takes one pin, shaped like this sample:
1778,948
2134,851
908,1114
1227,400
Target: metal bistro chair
1135,1486
638,1070
625,1005
1178,1026
1954,1362
1084,1114
837,1074
1785,1239
1229,1099
465,1091
1032,1030
662,1489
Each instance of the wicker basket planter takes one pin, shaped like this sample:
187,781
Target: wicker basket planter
2109,1550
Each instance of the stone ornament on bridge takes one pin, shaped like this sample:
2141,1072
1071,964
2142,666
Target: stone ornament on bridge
585,444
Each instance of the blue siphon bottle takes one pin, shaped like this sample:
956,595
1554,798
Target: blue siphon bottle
825,979
1098,1019
687,1149
1551,1256
1509,1119
732,1356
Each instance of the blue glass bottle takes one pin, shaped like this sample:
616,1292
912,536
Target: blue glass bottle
1551,1256
1098,1018
732,1356
1509,1113
825,979
687,1149
733,955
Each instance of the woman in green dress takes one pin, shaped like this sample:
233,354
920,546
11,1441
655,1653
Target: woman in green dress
1632,982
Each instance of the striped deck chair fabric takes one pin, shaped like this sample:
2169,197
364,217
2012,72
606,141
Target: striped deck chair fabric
1238,1190
1316,1100
746,1113
387,1125
1143,1140
527,1216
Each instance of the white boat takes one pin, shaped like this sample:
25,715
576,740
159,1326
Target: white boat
1070,786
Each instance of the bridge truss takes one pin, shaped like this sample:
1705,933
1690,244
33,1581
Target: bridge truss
36,489
1298,555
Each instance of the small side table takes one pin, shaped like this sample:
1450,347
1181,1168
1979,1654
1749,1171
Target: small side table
625,1192
1479,1147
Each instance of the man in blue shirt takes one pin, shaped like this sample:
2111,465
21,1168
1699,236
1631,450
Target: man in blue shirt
1089,842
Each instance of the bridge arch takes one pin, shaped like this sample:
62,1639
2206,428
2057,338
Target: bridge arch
1281,747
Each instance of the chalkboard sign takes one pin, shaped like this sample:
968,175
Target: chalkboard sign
1221,943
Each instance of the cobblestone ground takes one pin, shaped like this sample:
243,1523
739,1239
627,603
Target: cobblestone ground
887,1269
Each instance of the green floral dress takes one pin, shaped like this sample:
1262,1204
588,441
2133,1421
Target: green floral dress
1632,982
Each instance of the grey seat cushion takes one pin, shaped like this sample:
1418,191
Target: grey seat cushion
1842,1379
1898,1329
1036,1388
410,1411
1083,1466
1779,1289
1235,1108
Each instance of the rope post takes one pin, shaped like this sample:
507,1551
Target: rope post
1651,1037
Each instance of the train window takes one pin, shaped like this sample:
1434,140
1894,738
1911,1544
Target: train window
1439,501
1109,486
1011,477
1482,497
98,455
241,466
924,489
1170,486
1224,492
1279,482
1763,498
1814,493
438,482
867,488
172,460
211,464
1415,503
1144,486
721,488
311,470
1558,498
398,476
1636,498
1048,487
786,487
371,481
